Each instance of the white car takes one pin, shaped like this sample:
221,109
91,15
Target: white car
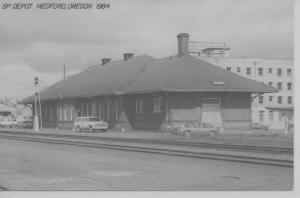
8,123
89,123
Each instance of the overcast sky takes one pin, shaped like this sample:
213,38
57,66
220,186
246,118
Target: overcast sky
38,42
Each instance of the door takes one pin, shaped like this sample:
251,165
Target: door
211,111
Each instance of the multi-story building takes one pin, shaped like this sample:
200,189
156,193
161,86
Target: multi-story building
275,72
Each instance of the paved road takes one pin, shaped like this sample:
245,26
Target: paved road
38,166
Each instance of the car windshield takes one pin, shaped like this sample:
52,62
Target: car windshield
207,125
94,119
189,125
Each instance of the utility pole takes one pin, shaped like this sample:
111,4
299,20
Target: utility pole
64,71
40,107
36,118
254,70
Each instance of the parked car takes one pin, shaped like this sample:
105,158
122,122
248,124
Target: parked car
25,124
89,123
8,123
256,125
199,128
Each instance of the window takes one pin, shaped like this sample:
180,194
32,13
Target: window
279,99
261,100
79,109
289,71
289,85
211,100
270,98
261,116
238,69
87,109
279,85
108,110
94,109
279,72
157,105
51,112
260,71
100,109
271,115
280,116
270,70
248,71
65,112
139,106
289,99
69,116
270,83
44,111
228,68
117,109
60,112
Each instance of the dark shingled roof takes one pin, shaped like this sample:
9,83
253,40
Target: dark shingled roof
146,74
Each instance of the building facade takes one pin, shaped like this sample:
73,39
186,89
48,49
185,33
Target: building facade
274,72
5,111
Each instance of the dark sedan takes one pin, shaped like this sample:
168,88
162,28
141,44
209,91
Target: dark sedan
259,126
25,125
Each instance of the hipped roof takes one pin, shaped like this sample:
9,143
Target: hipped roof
142,74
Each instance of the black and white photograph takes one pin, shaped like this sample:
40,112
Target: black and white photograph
140,95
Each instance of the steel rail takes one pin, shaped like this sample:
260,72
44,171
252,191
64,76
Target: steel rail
236,147
173,152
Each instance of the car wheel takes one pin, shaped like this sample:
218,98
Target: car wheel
212,134
187,134
90,129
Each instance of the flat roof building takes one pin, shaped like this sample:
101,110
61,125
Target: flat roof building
277,73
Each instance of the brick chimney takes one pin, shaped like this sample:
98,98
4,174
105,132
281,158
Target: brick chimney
128,56
183,44
105,60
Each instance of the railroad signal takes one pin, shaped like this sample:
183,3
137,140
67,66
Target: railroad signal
36,97
36,81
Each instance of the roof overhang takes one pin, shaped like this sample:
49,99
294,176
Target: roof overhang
289,109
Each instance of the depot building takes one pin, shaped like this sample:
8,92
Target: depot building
145,93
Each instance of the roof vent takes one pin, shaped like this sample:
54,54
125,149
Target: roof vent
105,60
219,83
128,56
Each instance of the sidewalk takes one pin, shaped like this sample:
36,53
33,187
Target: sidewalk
256,138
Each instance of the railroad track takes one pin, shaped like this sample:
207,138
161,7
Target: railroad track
172,152
235,147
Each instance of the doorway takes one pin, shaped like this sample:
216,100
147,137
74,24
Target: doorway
211,111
